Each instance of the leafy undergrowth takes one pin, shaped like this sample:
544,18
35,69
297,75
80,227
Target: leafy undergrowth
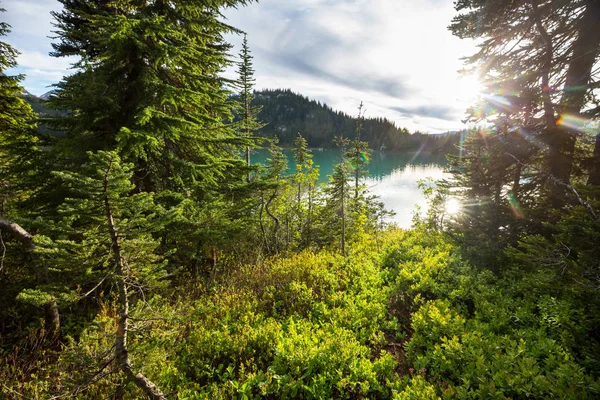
407,319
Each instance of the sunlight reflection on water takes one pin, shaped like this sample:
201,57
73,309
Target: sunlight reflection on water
399,190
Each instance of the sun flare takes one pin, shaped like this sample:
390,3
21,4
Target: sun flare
469,88
452,206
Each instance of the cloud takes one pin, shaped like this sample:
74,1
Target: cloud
396,56
360,80
30,21
41,70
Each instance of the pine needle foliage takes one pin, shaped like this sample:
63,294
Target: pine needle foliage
146,82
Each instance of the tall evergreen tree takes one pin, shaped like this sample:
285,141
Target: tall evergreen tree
18,150
249,113
102,240
529,49
20,160
147,82
338,191
359,153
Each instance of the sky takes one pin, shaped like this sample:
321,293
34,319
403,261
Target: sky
396,56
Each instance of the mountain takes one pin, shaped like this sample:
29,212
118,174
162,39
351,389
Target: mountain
46,96
287,113
38,104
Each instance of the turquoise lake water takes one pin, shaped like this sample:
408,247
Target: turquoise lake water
392,176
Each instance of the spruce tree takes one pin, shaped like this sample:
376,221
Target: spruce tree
338,192
538,58
20,161
305,178
359,153
18,142
274,183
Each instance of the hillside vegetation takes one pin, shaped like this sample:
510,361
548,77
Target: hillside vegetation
403,317
285,114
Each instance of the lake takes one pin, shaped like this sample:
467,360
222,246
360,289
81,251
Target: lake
393,176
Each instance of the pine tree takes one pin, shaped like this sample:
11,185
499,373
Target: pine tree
305,178
359,153
18,143
147,82
20,160
338,191
528,49
304,164
274,183
248,113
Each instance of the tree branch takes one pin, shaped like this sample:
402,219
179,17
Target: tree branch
19,233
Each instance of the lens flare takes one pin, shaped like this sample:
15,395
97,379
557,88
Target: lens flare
452,206
364,156
572,122
514,206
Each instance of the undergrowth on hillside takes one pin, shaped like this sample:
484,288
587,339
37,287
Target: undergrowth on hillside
403,317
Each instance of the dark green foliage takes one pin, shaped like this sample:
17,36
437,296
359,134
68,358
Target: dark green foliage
157,256
75,250
478,335
18,143
147,82
247,113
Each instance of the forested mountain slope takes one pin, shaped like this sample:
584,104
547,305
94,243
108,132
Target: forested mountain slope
286,114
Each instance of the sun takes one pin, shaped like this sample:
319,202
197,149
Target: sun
469,87
452,206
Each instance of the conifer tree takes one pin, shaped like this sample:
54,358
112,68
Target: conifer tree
304,163
249,113
538,58
147,82
20,160
274,183
18,150
338,191
306,177
103,240
359,153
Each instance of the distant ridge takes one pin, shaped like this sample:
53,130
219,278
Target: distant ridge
287,114
47,95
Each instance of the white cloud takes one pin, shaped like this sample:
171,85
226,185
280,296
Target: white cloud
31,18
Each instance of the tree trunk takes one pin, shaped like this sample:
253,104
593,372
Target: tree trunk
275,220
594,178
19,233
248,163
52,318
585,51
516,181
122,272
343,221
260,220
356,177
